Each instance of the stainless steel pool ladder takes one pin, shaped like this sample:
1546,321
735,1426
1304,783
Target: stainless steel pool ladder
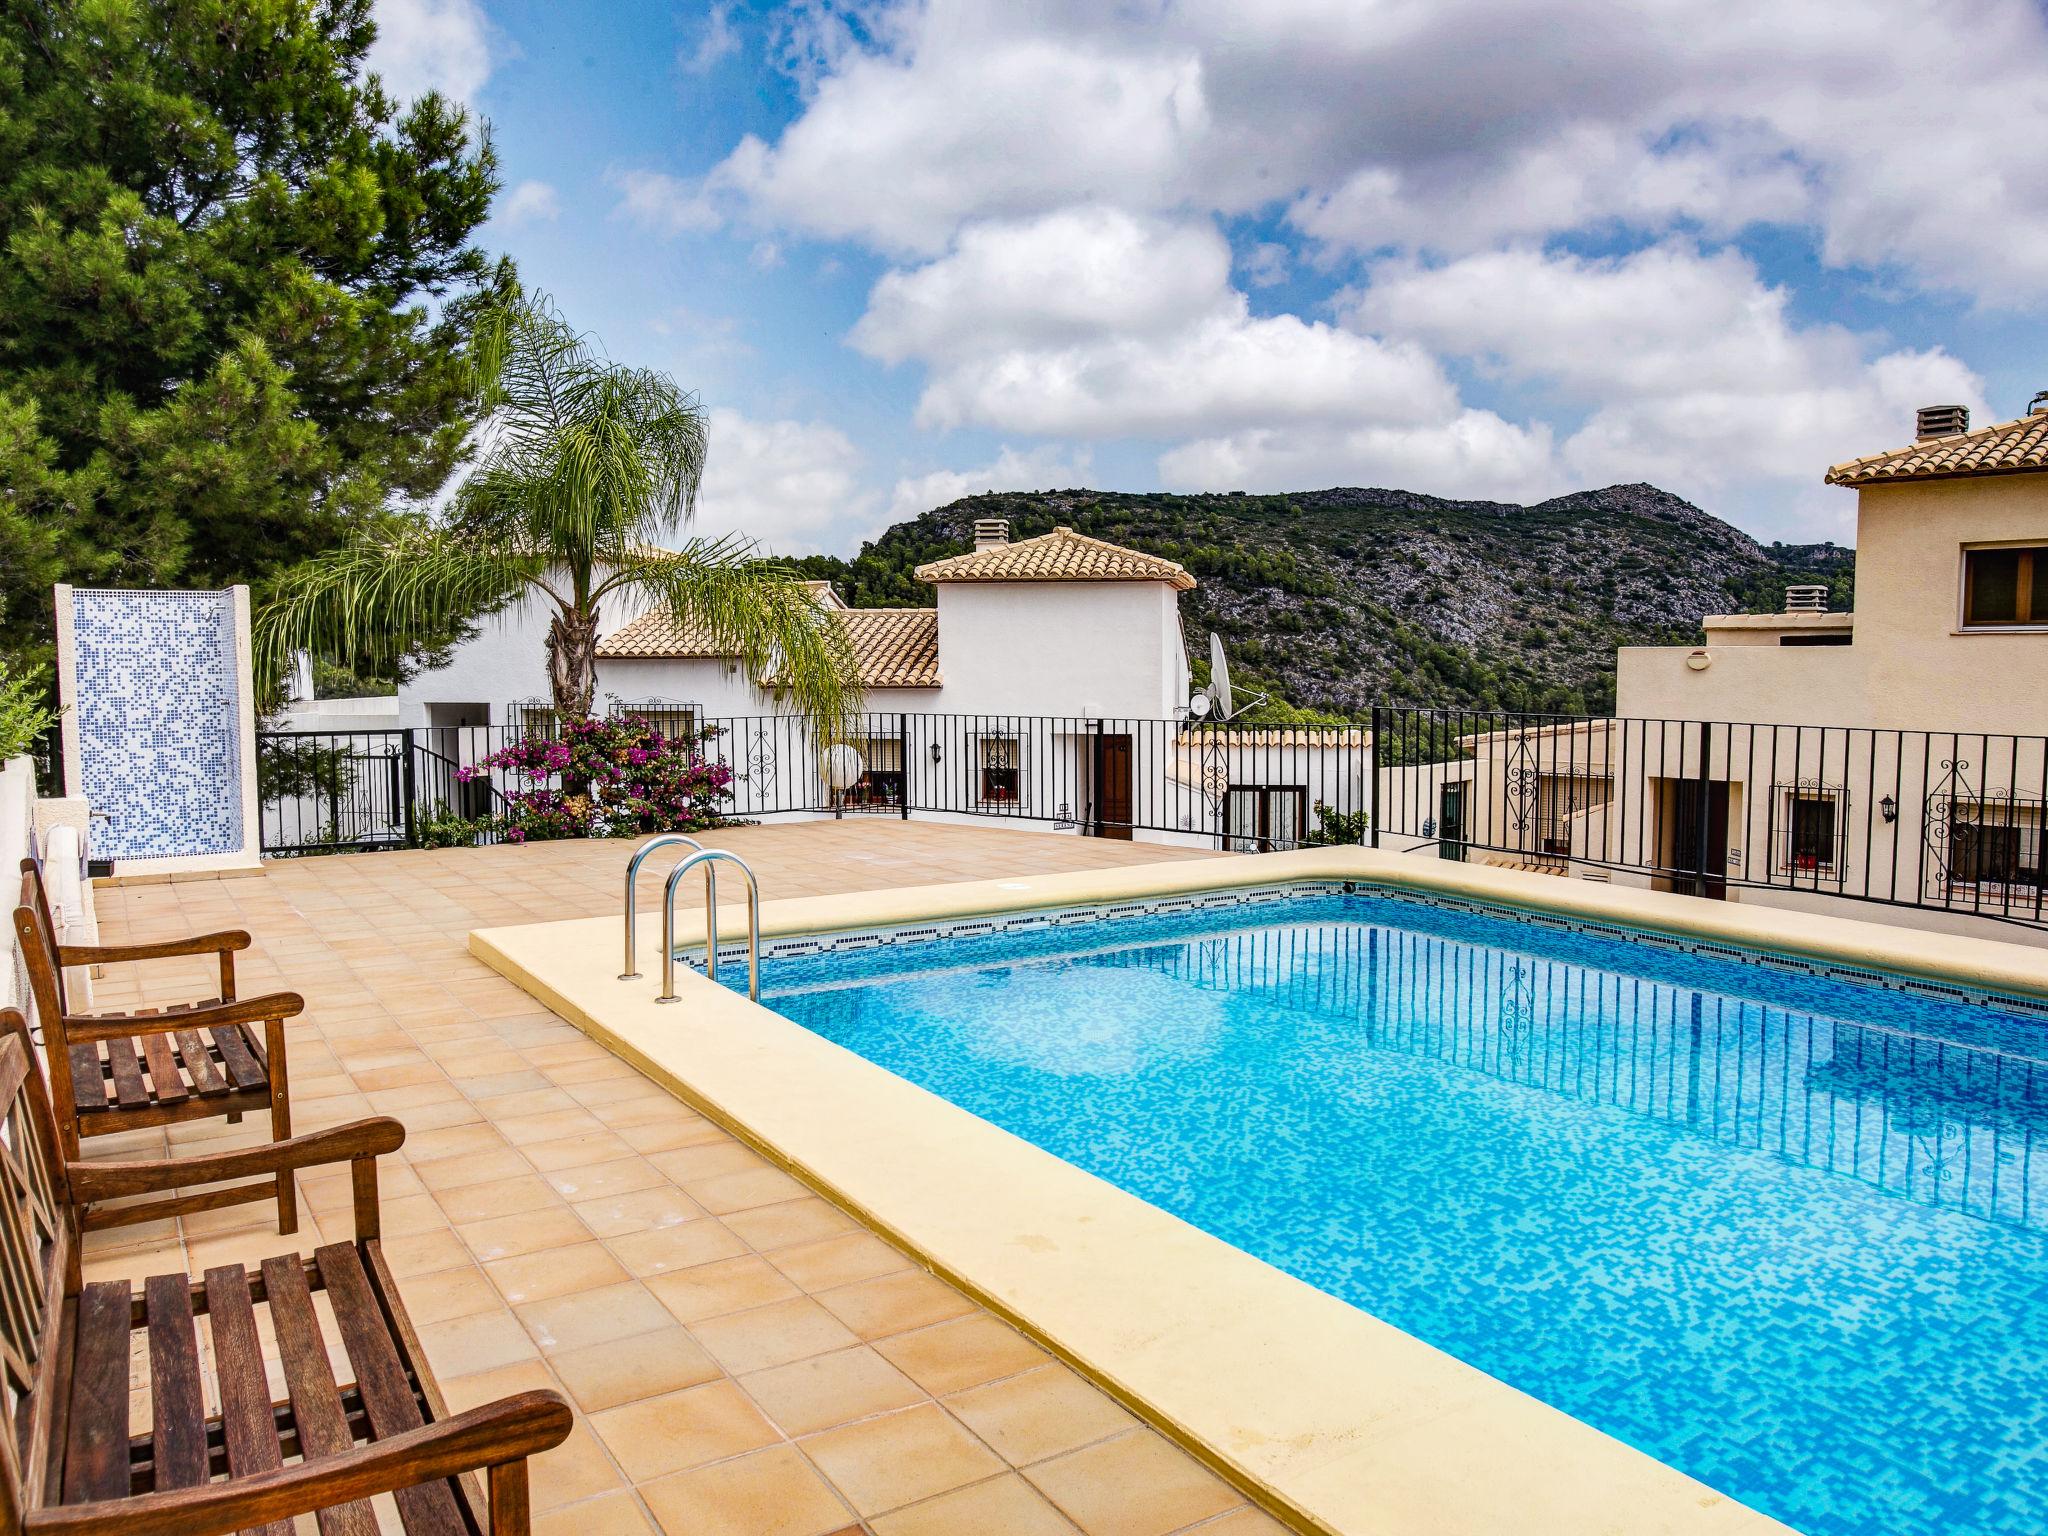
708,857
665,840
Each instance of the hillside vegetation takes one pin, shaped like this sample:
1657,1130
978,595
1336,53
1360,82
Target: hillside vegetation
1336,600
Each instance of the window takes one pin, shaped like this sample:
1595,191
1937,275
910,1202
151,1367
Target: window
1813,824
880,787
2004,587
1996,842
1265,817
1000,779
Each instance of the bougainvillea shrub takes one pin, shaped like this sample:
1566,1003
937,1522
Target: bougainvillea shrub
616,777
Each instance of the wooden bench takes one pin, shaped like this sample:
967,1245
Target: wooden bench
71,1354
217,1058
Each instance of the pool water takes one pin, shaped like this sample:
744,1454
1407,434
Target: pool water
1787,1234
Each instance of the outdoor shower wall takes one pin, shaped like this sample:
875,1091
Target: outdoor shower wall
159,723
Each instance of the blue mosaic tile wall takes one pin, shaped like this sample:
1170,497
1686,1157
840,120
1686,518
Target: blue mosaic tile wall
158,700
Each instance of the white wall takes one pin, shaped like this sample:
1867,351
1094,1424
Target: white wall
1061,648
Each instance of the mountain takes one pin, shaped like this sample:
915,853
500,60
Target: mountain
1336,600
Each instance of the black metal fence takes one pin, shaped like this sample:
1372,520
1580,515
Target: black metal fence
1929,819
1933,819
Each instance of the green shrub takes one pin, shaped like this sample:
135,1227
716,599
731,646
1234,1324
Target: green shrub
25,711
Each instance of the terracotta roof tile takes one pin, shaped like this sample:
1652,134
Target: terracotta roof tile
893,647
2011,447
1062,555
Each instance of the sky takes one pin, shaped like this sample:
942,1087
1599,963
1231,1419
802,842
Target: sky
906,252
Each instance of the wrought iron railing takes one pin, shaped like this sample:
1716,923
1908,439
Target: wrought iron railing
1945,820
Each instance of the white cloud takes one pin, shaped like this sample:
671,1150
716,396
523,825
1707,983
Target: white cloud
794,486
1692,370
431,45
717,39
667,204
1902,135
530,202
1475,454
1266,264
1091,323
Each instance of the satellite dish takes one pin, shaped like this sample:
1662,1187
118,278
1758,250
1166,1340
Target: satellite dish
1219,676
1198,706
841,766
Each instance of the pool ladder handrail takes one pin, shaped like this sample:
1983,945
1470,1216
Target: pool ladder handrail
665,840
708,857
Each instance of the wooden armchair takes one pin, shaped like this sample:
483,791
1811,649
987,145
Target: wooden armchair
202,1060
71,1463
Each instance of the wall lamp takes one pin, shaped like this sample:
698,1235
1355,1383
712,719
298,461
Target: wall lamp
936,754
1888,808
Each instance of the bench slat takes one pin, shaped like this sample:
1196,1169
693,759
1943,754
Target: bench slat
247,1424
429,1510
177,1401
243,1068
165,1085
96,1437
88,1079
206,1078
128,1085
309,1379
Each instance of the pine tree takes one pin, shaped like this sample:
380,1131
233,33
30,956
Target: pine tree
235,276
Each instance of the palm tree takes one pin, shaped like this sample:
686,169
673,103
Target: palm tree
585,467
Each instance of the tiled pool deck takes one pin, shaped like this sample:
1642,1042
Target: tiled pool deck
745,1358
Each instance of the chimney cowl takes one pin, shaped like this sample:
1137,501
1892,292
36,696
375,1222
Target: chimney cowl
1941,421
1806,599
991,532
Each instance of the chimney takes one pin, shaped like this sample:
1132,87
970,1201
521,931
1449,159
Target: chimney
991,533
1941,421
1806,599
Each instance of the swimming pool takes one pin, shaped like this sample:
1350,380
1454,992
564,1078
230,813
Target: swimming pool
1783,1232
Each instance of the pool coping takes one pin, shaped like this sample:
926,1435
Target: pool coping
1331,1418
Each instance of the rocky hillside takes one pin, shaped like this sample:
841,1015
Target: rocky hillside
1334,600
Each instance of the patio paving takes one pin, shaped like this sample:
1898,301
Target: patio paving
745,1358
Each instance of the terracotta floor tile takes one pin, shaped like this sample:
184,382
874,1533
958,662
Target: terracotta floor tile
709,1162
505,1237
592,1181
463,1345
1135,1485
454,1141
966,1352
576,1151
425,1254
458,1292
555,1272
579,1468
609,1514
660,1435
809,1395
682,1129
770,1493
445,1173
784,1222
1001,1506
1241,1522
625,1370
896,1303
637,1211
739,1191
1041,1413
467,1392
772,1335
664,1250
526,1194
842,1260
884,1463
594,1317
730,1285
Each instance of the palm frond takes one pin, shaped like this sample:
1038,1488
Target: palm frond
379,596
762,613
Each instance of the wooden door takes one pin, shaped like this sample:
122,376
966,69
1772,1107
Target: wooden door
1113,787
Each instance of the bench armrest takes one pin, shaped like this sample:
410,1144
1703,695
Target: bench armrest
508,1430
224,942
79,1028
359,1142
